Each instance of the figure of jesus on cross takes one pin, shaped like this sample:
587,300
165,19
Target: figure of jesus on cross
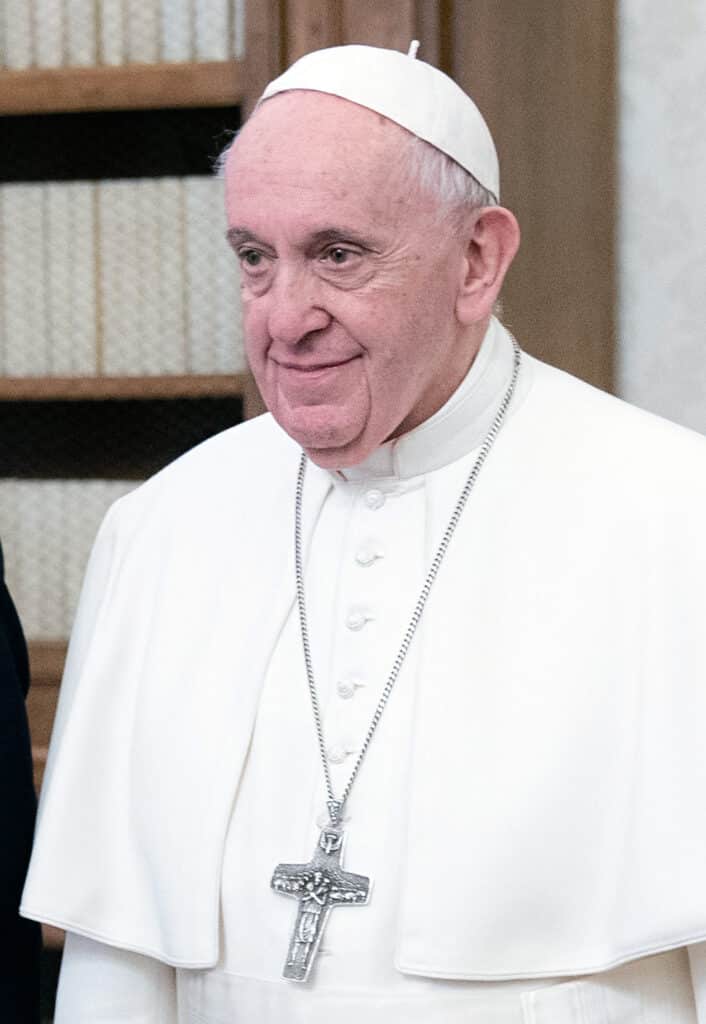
319,886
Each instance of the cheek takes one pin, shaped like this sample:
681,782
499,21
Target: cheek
254,331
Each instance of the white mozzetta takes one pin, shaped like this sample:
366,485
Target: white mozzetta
565,633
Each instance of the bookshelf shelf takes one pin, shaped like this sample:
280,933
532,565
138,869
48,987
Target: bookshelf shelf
87,389
66,389
129,87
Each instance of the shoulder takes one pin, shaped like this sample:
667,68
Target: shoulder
595,432
604,482
233,472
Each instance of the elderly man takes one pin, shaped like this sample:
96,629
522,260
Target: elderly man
445,603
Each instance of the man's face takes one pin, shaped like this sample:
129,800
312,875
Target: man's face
349,276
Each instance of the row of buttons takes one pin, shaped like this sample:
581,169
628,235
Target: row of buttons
366,556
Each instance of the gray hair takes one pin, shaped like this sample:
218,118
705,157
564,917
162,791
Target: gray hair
437,174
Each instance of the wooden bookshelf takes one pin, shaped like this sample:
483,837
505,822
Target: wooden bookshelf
66,389
129,87
82,389
46,659
52,938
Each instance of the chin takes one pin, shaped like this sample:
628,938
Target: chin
342,456
326,435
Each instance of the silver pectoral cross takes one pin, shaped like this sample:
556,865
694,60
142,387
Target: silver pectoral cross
319,886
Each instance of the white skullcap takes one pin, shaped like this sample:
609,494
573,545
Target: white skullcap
409,92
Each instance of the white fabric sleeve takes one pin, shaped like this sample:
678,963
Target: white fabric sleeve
697,962
99,984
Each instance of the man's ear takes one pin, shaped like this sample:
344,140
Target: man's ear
493,240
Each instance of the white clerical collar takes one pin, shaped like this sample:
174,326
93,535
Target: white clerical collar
456,428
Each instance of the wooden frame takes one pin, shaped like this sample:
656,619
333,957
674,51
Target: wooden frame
264,47
129,87
67,389
545,80
82,389
46,660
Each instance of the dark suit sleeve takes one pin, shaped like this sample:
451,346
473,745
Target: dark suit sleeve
19,939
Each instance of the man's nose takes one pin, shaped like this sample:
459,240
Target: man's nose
295,308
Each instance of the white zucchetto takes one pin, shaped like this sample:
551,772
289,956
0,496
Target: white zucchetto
413,94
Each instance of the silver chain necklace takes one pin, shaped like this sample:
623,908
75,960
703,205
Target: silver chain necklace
322,884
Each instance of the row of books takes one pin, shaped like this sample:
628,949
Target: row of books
86,33
117,278
47,528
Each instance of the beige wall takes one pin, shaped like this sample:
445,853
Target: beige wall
662,227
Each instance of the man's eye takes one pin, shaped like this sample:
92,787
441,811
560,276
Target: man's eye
250,258
338,255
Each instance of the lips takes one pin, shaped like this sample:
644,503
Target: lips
314,367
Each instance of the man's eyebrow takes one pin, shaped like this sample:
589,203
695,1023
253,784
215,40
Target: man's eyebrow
329,236
238,236
325,236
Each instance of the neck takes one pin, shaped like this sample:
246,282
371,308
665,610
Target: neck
448,381
457,427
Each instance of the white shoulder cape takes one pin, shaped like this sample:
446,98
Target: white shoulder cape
558,793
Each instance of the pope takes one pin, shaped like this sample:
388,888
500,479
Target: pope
388,704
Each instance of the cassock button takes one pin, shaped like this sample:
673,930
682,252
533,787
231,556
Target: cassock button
374,498
346,688
337,753
356,620
366,557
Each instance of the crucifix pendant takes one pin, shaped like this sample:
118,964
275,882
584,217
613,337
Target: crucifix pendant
319,886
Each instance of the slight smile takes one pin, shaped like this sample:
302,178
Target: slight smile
314,368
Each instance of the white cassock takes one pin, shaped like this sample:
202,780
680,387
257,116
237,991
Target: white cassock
532,809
